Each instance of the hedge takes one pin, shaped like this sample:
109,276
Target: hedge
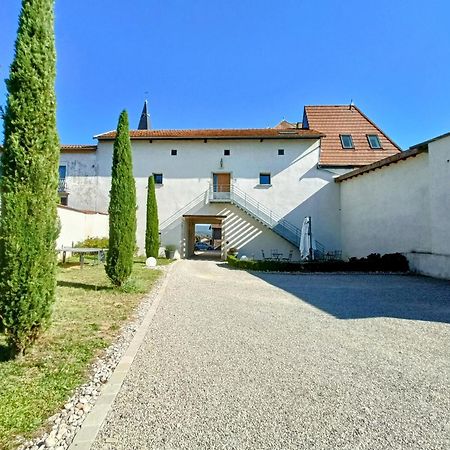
391,262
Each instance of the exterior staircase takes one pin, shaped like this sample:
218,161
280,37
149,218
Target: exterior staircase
236,196
232,194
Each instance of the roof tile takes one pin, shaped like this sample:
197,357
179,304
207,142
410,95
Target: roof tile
248,133
334,120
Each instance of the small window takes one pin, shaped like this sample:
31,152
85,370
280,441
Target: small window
173,152
374,141
226,152
264,178
280,151
346,141
64,201
158,177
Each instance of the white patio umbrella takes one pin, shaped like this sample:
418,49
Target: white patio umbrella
306,239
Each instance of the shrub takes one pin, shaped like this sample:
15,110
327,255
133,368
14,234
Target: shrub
122,208
28,224
93,242
152,226
394,262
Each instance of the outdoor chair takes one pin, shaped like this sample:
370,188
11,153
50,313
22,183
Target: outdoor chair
264,256
289,258
276,254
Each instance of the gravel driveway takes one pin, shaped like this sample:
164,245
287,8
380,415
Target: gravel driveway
240,361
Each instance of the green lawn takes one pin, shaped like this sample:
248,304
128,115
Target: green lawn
87,316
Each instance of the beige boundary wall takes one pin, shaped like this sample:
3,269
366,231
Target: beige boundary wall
402,207
77,225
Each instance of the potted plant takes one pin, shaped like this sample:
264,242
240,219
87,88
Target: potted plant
170,251
233,251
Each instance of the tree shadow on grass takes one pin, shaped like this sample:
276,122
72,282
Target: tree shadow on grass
5,353
85,286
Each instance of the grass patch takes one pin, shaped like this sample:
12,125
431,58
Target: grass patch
87,316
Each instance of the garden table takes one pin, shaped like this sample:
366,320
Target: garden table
82,251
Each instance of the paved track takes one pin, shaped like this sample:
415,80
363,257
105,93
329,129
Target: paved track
240,361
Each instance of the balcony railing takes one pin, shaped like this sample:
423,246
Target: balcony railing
220,192
62,185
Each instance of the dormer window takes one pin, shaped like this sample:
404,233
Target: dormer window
347,141
374,141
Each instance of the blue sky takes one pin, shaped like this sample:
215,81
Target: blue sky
246,63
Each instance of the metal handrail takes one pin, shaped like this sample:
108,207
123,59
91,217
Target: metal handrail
257,209
177,214
253,207
62,185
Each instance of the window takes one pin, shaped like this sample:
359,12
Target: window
346,141
173,152
158,177
62,183
264,178
280,151
374,141
64,200
62,172
226,152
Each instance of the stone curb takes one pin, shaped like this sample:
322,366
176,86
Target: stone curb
91,426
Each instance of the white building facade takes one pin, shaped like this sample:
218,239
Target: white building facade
401,204
257,184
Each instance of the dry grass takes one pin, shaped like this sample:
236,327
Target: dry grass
87,316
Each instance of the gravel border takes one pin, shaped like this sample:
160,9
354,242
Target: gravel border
66,423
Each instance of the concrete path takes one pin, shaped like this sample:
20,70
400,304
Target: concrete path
239,361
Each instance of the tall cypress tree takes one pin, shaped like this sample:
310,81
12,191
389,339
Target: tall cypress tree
28,186
152,228
122,208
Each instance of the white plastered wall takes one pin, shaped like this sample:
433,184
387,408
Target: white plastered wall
81,179
403,207
298,188
76,226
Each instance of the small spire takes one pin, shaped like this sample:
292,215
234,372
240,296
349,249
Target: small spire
144,121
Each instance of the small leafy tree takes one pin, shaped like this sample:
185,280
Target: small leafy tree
152,228
122,208
28,186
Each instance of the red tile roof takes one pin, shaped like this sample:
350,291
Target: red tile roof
75,148
256,133
334,120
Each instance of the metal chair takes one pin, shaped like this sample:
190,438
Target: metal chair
289,258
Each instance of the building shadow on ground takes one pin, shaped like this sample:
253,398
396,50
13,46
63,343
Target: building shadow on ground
359,296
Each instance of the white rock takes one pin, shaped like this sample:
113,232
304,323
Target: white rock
50,441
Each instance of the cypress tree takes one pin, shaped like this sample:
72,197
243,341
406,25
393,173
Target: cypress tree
28,186
152,228
122,208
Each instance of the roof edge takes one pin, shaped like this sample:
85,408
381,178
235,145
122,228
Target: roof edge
429,141
83,211
208,133
382,163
